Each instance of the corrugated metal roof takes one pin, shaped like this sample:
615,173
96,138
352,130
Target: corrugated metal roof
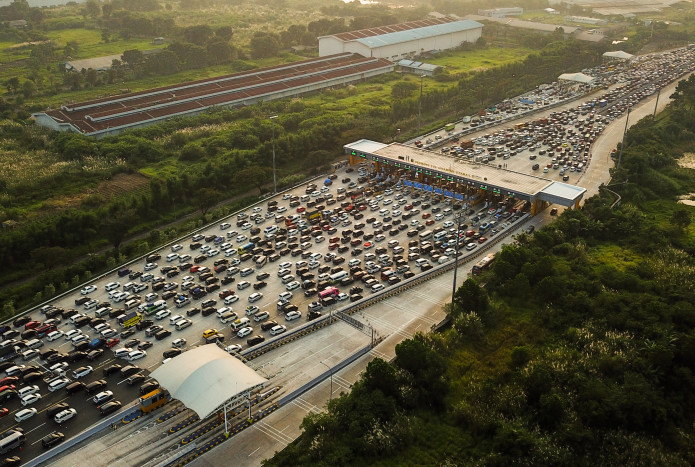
418,65
419,33
360,33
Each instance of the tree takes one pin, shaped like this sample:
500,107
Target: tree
254,175
219,52
403,89
91,77
50,256
92,8
264,45
206,199
132,57
106,10
471,297
12,84
224,33
198,34
28,88
115,227
681,219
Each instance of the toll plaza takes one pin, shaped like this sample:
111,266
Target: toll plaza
463,180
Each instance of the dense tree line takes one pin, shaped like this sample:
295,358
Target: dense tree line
577,347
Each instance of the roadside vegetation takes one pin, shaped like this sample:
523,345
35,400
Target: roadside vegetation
577,347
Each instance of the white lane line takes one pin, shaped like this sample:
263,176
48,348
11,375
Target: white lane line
254,451
35,428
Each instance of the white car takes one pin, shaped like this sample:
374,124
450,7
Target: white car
161,314
388,201
106,333
354,262
377,287
448,224
471,246
393,243
241,238
261,316
175,318
384,212
293,315
246,226
379,238
136,355
396,213
54,335
287,196
281,209
58,366
150,266
285,265
176,247
80,338
213,252
229,299
245,331
286,296
254,297
184,257
178,343
225,225
152,296
205,248
65,415
112,285
102,397
257,209
24,414
243,285
279,329
82,371
183,324
88,289
342,296
172,257
292,285
232,348
439,217
72,333
122,352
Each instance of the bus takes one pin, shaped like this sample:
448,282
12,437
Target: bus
483,264
245,248
129,319
153,400
152,308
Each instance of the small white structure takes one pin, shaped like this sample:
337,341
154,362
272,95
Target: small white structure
405,40
502,12
418,68
618,55
585,20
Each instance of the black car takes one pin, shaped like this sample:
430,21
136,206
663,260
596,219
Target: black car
148,387
134,275
79,301
54,410
82,346
259,285
127,333
22,320
255,340
109,407
95,386
56,358
76,356
145,345
52,439
44,354
33,376
131,342
313,315
268,325
208,311
129,370
136,379
94,354
171,353
163,334
5,365
193,312
263,275
144,324
354,297
112,369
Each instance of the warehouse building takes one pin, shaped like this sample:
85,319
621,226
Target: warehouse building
405,40
111,115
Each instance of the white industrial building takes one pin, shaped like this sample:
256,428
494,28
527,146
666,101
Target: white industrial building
502,12
404,40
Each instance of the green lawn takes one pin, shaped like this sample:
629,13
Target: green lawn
91,45
480,59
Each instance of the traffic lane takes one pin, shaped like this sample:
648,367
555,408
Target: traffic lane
39,425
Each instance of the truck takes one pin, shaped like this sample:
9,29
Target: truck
465,144
129,319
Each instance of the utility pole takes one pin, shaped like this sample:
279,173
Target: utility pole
658,93
275,181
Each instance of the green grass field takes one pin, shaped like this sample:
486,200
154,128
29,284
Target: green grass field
480,59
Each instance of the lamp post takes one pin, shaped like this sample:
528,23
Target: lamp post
330,396
419,108
622,144
275,182
460,216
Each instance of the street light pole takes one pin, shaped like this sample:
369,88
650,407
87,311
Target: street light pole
419,109
330,396
622,144
460,215
275,182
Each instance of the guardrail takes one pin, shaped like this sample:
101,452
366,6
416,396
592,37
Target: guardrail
161,248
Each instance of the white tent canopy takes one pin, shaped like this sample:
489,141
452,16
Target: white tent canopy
618,54
577,77
205,377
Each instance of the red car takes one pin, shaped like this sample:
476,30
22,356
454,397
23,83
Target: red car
350,207
429,222
3,412
32,325
195,268
301,209
426,215
226,293
368,245
482,240
408,207
470,233
11,386
362,207
8,380
113,341
333,246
